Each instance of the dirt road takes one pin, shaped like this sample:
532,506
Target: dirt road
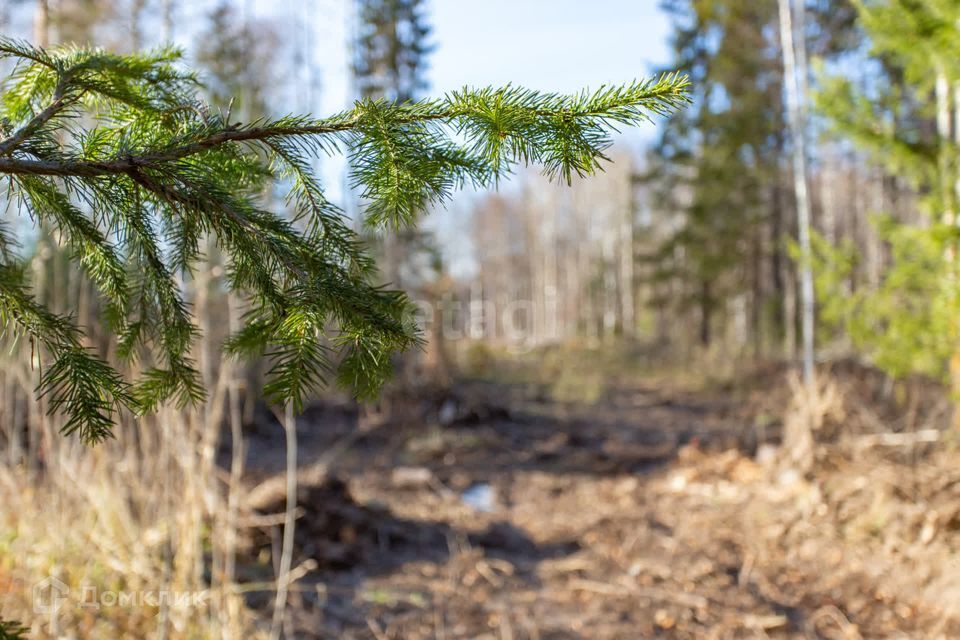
645,515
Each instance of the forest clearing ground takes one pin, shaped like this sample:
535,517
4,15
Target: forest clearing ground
644,515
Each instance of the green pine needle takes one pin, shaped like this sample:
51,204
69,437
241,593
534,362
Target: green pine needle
135,193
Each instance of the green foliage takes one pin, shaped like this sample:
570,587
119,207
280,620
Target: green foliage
715,163
11,630
834,267
390,62
903,325
117,155
908,323
915,33
719,171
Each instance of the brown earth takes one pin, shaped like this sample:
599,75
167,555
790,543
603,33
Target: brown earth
651,513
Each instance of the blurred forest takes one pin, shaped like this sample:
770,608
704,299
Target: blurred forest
710,392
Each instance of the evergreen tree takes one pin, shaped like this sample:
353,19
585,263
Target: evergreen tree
133,188
391,49
238,60
905,117
715,162
719,172
10,630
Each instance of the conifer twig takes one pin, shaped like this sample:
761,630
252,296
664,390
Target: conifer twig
135,192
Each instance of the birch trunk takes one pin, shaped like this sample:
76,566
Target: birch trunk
289,524
41,24
795,108
232,603
628,322
799,439
946,132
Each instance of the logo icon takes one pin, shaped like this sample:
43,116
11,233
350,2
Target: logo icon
48,595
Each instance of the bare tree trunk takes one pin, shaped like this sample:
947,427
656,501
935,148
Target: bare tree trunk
706,311
438,370
41,24
828,195
169,7
950,196
628,308
609,278
954,283
11,417
798,436
589,309
778,277
35,413
289,524
534,230
549,278
757,298
216,382
237,456
795,102
37,416
875,245
477,323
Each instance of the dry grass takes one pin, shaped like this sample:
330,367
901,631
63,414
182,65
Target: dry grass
139,517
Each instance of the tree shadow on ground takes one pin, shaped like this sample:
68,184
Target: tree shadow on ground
491,436
346,543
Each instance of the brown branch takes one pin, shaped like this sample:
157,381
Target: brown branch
60,101
94,168
173,196
18,53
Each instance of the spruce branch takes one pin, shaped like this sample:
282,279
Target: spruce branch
134,193
12,630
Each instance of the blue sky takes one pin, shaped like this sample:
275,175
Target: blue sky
556,45
551,45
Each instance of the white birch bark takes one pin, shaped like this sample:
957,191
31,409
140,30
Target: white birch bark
795,108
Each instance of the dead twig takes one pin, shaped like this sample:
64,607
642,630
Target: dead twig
849,631
662,595
376,630
897,439
286,555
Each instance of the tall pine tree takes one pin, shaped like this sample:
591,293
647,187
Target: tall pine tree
715,163
391,49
